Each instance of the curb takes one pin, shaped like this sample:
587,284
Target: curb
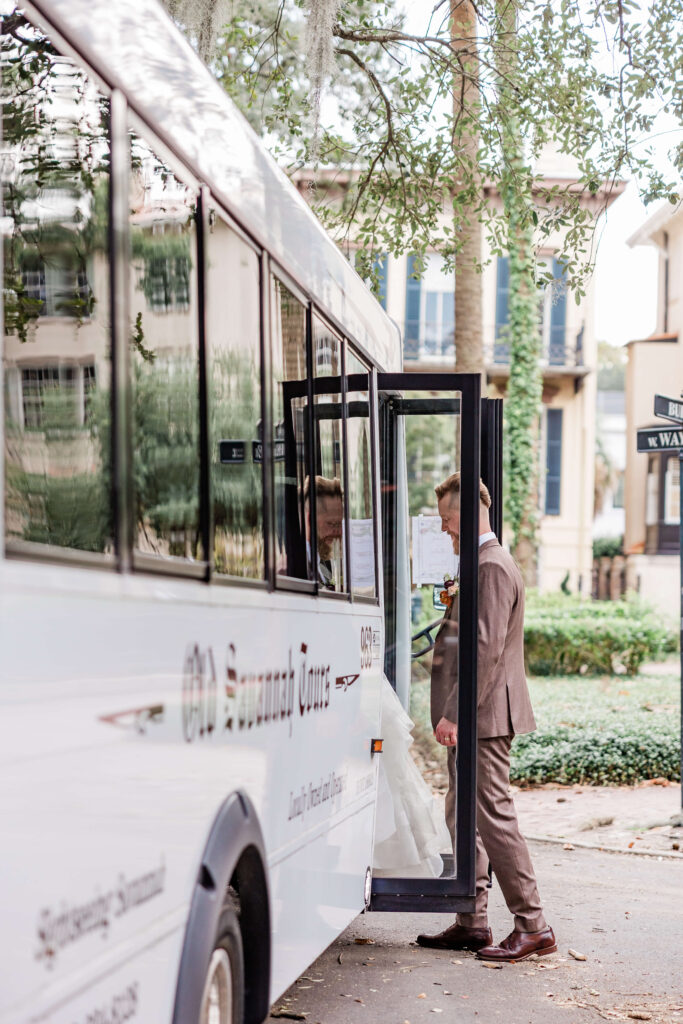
553,840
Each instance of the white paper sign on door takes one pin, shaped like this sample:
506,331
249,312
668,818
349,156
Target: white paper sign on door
433,556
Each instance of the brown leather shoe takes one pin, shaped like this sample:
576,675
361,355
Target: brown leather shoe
458,937
520,946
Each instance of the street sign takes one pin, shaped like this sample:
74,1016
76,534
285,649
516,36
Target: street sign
660,440
669,408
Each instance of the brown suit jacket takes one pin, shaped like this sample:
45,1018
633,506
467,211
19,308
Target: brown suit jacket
503,702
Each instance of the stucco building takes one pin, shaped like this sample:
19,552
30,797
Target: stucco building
655,366
425,310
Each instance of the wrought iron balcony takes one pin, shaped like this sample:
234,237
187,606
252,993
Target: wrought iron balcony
556,354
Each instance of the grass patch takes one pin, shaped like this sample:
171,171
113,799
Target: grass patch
610,730
595,731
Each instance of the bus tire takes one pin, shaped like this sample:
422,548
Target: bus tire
223,997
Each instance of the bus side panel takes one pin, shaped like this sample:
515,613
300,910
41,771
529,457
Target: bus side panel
319,891
130,708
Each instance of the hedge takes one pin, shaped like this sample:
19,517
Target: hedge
619,753
567,636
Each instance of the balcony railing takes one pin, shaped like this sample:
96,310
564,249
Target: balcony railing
427,340
555,354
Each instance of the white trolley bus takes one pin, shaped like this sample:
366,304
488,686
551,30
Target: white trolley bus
192,616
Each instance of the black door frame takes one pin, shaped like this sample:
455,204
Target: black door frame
446,895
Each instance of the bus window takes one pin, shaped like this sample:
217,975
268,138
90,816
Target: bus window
329,462
55,194
165,358
360,501
290,447
234,401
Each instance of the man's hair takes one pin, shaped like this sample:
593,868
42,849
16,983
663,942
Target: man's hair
452,486
325,487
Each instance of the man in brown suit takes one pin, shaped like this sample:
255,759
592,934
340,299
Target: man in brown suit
503,710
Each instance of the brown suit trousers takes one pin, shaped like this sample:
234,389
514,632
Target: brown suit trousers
503,709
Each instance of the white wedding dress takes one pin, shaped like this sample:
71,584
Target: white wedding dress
410,829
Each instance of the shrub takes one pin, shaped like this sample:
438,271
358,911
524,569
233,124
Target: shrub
567,636
608,547
598,753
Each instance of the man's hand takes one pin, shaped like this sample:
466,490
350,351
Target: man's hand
446,733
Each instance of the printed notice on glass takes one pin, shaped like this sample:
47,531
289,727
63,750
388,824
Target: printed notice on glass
432,551
362,554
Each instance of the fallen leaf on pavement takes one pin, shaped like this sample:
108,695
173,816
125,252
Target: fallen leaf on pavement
422,995
364,942
637,1015
577,955
567,846
340,958
288,1014
493,967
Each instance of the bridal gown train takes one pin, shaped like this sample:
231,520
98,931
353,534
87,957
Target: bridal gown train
410,829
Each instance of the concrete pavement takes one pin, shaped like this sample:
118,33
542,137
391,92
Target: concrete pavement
624,913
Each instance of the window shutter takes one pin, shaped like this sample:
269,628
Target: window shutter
558,316
412,325
553,461
501,348
381,264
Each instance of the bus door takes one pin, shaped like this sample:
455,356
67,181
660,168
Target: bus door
432,425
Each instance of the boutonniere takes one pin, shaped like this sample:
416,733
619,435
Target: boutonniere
450,591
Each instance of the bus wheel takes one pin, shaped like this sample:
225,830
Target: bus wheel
223,998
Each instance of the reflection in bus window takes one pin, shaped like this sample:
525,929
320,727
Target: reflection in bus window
290,450
234,383
164,357
329,461
55,194
361,520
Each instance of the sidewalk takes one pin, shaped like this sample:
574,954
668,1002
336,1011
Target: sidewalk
630,819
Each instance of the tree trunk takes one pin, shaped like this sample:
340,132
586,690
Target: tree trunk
469,345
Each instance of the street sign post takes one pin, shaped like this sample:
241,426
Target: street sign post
668,440
656,439
669,408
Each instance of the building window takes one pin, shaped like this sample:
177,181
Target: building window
672,491
430,310
552,314
166,281
57,291
56,396
553,462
